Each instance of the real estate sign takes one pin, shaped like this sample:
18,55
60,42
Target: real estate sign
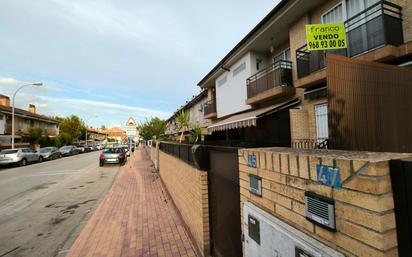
325,36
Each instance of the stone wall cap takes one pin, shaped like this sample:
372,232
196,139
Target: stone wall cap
337,154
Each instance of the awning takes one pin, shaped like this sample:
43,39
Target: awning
248,119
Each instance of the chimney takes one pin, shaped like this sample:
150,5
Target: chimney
32,108
4,100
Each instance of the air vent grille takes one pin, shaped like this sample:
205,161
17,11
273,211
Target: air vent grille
320,210
255,184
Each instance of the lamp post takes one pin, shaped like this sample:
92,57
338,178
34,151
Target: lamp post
88,122
36,84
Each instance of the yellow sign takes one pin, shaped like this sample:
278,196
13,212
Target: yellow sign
325,36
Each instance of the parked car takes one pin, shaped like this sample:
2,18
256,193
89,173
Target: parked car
69,150
81,149
113,155
50,153
126,149
21,156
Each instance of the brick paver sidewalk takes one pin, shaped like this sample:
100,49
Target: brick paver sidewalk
134,219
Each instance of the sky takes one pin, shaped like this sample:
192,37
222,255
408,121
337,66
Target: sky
106,60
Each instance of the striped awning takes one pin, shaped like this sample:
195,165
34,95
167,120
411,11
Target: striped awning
248,119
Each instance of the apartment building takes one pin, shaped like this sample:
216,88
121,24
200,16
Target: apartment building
269,90
195,107
23,121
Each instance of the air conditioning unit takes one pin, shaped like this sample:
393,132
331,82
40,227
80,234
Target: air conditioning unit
255,184
320,210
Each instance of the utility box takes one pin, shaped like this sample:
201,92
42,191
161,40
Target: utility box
271,237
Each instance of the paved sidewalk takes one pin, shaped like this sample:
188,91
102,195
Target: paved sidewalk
136,218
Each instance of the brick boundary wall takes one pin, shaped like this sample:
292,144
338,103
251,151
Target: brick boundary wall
188,188
364,207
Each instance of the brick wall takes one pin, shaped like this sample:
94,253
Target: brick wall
364,207
303,120
407,18
188,188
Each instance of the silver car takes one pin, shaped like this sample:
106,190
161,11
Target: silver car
21,156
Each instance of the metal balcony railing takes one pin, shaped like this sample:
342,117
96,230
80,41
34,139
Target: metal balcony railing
210,107
277,74
320,143
374,27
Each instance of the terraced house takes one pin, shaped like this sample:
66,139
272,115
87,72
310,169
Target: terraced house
269,90
24,119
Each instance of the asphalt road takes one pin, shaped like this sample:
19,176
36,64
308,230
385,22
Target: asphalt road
44,206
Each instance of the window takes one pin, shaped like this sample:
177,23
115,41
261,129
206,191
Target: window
239,69
221,81
346,10
283,56
258,64
321,114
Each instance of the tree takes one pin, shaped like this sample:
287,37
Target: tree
33,135
182,121
153,127
63,139
103,127
195,133
72,126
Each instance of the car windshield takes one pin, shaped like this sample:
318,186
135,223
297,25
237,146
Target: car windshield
66,147
45,150
9,151
113,150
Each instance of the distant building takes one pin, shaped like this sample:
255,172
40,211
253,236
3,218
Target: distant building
115,133
23,121
95,135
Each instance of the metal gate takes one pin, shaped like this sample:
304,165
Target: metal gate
224,202
401,178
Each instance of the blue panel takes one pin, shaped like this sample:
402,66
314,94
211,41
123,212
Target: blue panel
328,175
251,161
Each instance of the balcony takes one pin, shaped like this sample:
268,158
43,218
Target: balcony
273,82
375,27
210,109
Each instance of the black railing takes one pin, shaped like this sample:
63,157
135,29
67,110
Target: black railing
181,151
320,143
374,27
277,74
210,107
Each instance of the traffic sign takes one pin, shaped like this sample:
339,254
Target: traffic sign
131,122
131,125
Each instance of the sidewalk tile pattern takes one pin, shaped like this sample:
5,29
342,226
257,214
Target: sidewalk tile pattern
136,218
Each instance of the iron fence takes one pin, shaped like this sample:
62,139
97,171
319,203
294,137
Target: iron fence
181,151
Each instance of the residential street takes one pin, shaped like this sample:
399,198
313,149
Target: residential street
42,204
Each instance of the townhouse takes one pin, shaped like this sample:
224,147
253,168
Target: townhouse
195,108
269,90
23,121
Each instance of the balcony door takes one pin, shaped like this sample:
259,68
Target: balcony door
363,31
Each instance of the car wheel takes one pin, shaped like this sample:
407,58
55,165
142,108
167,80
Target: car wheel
23,162
40,159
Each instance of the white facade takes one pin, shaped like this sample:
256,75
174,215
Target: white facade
278,238
231,91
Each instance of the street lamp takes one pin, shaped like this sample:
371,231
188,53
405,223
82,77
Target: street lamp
36,84
87,121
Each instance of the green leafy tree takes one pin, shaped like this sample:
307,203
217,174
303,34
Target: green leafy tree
72,126
62,139
153,127
182,121
103,127
33,135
